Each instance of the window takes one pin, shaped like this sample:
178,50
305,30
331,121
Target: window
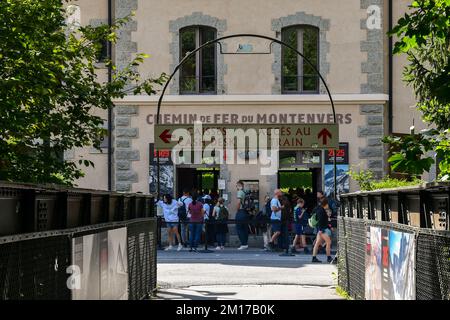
297,76
198,74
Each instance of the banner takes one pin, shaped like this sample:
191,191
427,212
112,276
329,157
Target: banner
100,261
390,265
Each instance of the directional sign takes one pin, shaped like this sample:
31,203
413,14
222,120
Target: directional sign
292,136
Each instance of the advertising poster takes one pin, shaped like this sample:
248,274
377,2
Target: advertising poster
390,262
166,170
343,179
373,264
100,265
401,265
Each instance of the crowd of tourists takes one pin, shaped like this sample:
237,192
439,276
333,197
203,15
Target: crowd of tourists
285,220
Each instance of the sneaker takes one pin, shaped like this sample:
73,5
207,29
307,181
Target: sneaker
168,248
194,250
222,248
329,259
180,247
218,248
315,260
243,248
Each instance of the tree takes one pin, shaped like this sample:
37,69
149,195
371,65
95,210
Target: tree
424,36
49,88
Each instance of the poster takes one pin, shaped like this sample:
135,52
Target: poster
373,264
343,179
100,262
166,177
401,265
390,265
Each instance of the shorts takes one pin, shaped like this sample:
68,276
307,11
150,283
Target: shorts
299,229
172,224
276,226
327,231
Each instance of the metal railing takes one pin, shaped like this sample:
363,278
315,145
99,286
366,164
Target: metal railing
58,243
420,216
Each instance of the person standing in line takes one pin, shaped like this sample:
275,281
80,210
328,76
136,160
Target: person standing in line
209,220
323,213
241,215
276,207
286,220
300,220
264,219
196,215
183,203
170,212
220,214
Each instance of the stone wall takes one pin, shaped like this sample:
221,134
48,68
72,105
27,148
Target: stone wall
123,133
373,132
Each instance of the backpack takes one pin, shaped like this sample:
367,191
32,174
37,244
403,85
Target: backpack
223,213
313,221
249,203
182,212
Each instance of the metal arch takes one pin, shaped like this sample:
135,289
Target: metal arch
240,35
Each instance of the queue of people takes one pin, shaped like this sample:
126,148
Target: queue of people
194,214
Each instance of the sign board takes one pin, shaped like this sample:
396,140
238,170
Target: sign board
291,136
221,185
164,156
341,154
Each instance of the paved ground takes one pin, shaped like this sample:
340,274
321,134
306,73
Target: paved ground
251,274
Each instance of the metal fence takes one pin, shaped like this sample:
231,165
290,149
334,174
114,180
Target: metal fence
38,229
419,211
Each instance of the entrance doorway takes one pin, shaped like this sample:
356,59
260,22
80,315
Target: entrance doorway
200,178
296,179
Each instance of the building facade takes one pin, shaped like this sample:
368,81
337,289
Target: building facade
248,80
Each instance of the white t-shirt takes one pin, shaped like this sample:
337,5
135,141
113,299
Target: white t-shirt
186,200
206,207
170,211
276,215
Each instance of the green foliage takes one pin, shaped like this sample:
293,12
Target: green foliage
364,178
409,153
388,183
424,36
49,89
367,182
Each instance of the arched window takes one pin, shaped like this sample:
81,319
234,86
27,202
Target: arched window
297,76
198,74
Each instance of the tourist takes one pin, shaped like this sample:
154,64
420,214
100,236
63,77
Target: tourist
263,217
275,206
242,216
323,213
196,215
286,220
183,204
300,222
170,212
210,227
221,215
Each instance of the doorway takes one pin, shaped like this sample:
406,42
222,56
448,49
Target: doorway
296,179
200,178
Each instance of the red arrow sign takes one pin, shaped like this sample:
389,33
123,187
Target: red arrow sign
324,134
165,136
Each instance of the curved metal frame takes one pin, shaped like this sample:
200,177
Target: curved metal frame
240,35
